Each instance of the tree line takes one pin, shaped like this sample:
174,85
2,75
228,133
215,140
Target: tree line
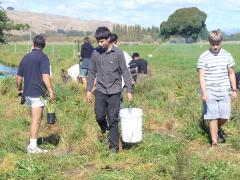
135,33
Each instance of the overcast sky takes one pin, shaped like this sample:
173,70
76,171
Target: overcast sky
223,14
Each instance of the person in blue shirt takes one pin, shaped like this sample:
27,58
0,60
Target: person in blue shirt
34,69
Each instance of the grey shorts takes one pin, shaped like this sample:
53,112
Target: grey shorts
218,106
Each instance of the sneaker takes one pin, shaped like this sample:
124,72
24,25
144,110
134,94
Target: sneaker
221,138
36,150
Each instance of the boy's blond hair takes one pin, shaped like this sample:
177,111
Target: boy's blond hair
215,36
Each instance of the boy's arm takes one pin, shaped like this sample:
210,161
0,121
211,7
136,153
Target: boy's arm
19,81
48,84
232,78
201,75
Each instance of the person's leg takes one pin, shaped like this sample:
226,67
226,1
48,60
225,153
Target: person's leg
213,124
211,113
36,108
225,113
36,120
113,113
84,81
101,110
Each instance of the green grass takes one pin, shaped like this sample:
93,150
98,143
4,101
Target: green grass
173,147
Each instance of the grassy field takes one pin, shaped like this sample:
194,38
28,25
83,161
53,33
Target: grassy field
175,144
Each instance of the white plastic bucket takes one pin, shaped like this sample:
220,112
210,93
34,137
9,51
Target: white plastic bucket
131,124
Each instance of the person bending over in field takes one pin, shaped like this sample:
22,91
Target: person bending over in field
217,81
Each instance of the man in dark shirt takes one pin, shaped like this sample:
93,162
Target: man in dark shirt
107,66
86,52
133,70
142,64
35,70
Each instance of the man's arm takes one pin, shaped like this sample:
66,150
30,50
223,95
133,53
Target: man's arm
201,77
48,84
232,78
19,81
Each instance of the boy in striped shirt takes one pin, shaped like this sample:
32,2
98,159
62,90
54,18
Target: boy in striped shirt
217,82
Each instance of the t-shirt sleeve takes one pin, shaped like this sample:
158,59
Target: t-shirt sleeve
201,63
45,65
231,61
20,71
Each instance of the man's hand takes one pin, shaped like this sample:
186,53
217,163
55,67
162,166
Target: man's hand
52,96
204,97
89,96
234,95
129,96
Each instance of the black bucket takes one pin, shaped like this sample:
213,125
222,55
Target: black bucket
51,118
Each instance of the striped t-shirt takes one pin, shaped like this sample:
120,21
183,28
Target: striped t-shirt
216,69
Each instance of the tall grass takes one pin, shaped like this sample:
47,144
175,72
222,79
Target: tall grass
174,146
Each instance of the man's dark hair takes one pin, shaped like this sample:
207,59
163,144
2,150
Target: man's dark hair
39,41
135,55
86,39
102,33
113,37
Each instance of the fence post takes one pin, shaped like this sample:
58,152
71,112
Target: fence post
53,51
15,47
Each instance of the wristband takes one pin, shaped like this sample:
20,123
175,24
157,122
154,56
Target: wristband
234,90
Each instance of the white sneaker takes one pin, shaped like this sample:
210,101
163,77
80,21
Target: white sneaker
36,150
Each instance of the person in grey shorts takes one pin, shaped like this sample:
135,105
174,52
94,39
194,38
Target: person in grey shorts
217,82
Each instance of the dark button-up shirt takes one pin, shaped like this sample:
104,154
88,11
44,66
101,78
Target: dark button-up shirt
108,67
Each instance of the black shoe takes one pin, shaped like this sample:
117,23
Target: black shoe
221,134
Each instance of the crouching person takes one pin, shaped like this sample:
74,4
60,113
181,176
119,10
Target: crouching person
34,69
107,66
217,82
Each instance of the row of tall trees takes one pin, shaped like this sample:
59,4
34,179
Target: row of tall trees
136,32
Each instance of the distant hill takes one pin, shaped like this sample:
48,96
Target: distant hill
40,23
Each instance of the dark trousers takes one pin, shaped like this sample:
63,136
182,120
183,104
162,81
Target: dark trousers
107,112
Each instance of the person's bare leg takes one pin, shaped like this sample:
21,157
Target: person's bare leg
84,80
36,120
214,130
